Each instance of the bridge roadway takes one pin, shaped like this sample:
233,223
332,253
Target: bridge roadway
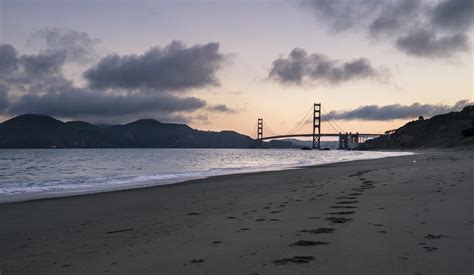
321,135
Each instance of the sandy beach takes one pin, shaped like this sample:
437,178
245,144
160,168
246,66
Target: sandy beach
401,215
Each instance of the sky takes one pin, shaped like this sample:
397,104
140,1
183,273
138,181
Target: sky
220,65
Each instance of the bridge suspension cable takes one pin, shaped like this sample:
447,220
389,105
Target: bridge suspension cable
330,124
254,131
331,120
301,123
269,130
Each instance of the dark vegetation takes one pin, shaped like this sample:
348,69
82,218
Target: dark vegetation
446,130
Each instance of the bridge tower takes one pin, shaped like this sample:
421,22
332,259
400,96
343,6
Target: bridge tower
317,126
260,129
344,141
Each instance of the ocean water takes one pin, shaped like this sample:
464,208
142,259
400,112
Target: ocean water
40,173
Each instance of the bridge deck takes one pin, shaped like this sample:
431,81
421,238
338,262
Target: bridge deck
321,135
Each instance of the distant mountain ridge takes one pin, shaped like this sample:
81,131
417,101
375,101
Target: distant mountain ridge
42,131
446,130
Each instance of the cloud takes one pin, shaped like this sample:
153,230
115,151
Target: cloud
174,67
342,15
8,59
299,67
454,14
75,46
20,70
35,84
75,102
4,101
221,108
421,28
41,65
394,17
201,118
395,111
426,44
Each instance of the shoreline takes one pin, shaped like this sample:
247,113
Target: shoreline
390,216
66,194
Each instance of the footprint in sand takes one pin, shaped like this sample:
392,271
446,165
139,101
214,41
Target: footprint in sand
346,198
321,230
338,220
308,243
341,213
430,248
434,237
295,260
342,207
346,202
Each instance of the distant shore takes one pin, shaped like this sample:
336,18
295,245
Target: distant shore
399,215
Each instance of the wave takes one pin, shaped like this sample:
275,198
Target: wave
18,190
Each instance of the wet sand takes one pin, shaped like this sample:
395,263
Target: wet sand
401,215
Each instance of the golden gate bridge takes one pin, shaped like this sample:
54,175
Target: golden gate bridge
318,113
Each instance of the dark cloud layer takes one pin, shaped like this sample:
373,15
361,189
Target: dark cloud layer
76,102
423,28
343,14
41,65
174,67
392,17
299,67
396,111
427,44
8,59
24,71
454,14
4,101
36,84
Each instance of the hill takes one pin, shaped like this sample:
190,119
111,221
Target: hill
446,130
40,131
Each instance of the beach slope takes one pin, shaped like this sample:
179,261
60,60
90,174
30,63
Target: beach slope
401,215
